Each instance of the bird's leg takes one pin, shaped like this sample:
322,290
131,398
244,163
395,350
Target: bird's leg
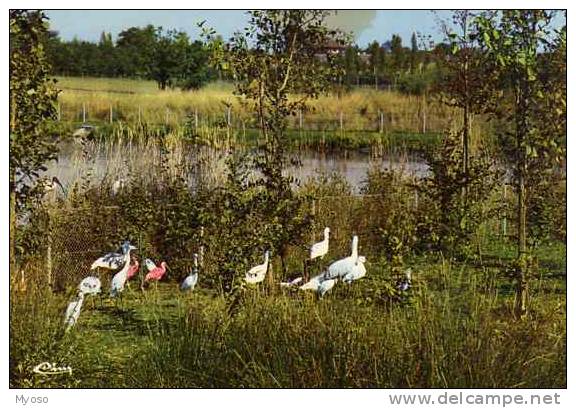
306,272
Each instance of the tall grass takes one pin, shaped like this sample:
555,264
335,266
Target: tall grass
360,110
456,332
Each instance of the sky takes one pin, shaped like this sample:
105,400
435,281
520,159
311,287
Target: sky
368,25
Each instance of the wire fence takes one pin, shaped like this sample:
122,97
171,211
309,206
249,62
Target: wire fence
79,236
416,117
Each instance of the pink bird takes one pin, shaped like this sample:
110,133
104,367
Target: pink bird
133,270
156,273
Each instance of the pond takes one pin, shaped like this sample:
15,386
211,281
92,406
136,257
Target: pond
116,161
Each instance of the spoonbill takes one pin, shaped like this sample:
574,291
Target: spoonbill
112,260
73,311
319,249
325,286
319,284
190,281
358,271
313,283
132,270
258,273
119,280
293,282
157,273
150,265
90,285
343,266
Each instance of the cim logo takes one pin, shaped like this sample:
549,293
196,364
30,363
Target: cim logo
51,369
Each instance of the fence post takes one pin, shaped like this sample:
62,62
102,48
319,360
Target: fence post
423,119
229,116
49,252
111,114
195,118
301,121
83,112
59,117
313,229
504,220
381,114
201,250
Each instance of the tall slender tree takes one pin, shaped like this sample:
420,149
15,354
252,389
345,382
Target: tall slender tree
514,41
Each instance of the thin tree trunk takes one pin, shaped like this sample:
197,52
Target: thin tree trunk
520,308
12,226
12,187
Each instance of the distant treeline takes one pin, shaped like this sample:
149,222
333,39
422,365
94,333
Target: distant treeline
170,58
174,60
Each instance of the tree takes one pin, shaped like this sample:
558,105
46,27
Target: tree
352,65
465,85
107,64
377,58
397,54
276,57
167,53
32,102
413,52
514,41
135,48
194,70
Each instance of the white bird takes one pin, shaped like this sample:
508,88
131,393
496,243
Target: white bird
258,273
319,284
313,283
119,280
191,279
344,266
118,185
112,260
404,284
320,249
51,185
73,311
90,285
325,286
150,265
83,131
358,271
293,282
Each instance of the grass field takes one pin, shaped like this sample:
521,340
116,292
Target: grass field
453,330
139,100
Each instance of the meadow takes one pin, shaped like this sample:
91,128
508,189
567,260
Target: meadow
330,118
453,328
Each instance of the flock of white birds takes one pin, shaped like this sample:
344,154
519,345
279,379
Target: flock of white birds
348,270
